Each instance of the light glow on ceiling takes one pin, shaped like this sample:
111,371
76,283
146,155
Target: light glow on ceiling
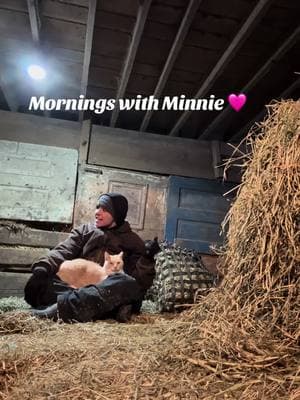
36,72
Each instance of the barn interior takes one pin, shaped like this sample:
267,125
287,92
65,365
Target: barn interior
57,156
167,162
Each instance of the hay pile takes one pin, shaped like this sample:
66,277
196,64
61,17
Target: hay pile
103,360
242,341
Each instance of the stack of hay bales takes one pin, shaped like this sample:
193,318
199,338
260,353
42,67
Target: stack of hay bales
242,340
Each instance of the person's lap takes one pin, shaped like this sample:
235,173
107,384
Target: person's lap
90,302
99,301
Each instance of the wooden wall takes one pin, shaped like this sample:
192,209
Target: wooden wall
20,246
146,194
120,148
135,163
149,152
28,128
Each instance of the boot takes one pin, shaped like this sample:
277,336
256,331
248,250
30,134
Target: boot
49,312
124,313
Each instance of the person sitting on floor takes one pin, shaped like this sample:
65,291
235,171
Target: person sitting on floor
118,295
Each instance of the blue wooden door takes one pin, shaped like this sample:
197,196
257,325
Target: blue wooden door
195,210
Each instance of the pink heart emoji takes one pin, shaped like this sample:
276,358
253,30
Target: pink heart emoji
237,102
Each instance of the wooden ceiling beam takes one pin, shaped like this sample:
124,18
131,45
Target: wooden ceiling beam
87,49
35,20
35,24
88,46
8,82
8,92
246,29
132,50
258,117
176,47
279,53
17,47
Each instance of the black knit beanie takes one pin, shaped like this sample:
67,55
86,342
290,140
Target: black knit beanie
116,204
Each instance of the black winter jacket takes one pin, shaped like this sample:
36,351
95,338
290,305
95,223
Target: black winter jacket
90,242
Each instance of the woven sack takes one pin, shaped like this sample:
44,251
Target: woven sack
180,273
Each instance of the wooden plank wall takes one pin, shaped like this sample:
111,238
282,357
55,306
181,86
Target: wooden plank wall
116,153
12,284
119,148
149,152
34,178
147,216
20,246
28,128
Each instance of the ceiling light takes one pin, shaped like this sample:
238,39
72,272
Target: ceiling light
36,72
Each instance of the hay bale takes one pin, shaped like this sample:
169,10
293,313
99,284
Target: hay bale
242,340
263,224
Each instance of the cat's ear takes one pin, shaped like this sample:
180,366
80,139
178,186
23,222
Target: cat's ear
121,254
106,256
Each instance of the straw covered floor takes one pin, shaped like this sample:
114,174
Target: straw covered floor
241,341
100,360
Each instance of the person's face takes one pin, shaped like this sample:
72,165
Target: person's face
103,219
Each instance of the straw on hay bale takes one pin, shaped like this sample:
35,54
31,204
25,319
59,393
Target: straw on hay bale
239,342
242,341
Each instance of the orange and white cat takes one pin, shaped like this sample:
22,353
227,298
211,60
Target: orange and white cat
80,272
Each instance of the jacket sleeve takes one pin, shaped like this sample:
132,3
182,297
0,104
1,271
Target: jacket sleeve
140,267
144,272
66,250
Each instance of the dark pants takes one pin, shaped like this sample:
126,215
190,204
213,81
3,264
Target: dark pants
88,303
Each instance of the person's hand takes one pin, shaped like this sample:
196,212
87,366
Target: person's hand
152,248
40,272
35,285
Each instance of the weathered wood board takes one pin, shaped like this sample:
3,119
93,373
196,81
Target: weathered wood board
146,194
21,257
31,237
12,284
195,211
27,128
37,183
153,153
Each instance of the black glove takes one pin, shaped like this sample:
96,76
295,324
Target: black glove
152,248
36,285
40,273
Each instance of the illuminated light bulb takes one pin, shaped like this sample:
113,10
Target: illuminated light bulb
36,72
